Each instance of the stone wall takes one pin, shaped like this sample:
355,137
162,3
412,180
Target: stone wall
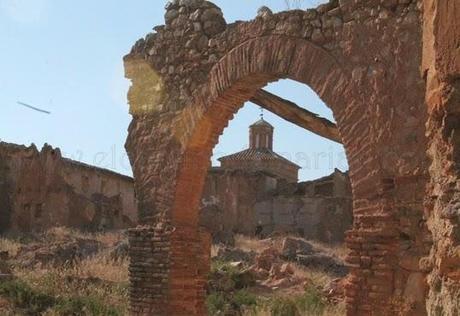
441,69
41,189
319,210
250,203
278,167
362,57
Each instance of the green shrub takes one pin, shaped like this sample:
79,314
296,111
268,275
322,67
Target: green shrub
215,303
284,307
311,302
83,306
243,298
23,296
234,302
36,303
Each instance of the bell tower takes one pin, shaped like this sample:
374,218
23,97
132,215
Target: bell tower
261,135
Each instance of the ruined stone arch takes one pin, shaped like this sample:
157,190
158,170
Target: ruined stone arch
361,57
260,61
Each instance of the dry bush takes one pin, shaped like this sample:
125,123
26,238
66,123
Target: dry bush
10,245
103,267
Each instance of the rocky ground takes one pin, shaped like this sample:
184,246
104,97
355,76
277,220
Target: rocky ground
64,272
276,276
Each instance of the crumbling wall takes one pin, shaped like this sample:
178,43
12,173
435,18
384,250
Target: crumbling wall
229,197
88,181
441,69
40,189
255,203
362,57
319,210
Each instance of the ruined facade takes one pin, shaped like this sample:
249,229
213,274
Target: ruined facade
397,117
255,192
258,203
41,189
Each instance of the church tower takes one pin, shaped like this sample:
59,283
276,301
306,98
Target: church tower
260,157
261,135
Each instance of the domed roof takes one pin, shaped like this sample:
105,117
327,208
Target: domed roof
262,122
253,154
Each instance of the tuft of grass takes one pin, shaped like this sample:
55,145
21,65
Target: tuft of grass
216,303
281,306
10,245
312,301
104,267
243,298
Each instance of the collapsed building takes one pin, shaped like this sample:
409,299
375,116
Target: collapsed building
255,192
42,189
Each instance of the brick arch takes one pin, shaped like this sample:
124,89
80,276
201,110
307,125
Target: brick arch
259,61
232,82
187,84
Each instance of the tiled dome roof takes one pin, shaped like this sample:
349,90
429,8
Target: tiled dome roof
257,154
262,122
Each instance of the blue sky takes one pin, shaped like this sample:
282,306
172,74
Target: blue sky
66,57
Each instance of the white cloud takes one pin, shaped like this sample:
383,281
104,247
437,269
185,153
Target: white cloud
24,11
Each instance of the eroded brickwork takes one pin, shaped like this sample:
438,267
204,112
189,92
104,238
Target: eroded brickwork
441,67
41,189
362,57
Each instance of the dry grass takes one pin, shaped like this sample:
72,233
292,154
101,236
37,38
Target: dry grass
336,250
333,310
99,278
105,281
63,233
10,245
248,244
318,277
103,267
97,283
